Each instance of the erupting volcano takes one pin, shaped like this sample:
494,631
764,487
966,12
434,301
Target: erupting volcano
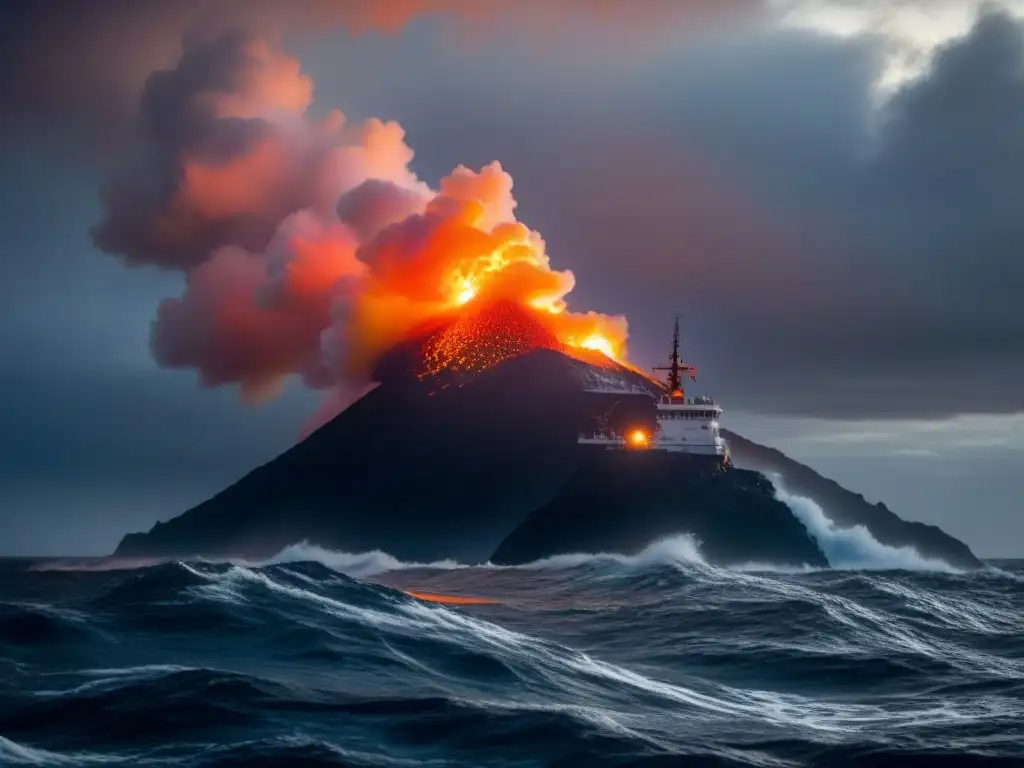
310,248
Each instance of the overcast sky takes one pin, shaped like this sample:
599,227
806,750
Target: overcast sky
826,191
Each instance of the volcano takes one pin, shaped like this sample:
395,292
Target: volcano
467,450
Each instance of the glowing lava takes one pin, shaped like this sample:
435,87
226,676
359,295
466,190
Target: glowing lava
484,336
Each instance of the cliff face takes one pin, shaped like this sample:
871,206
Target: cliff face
848,509
622,501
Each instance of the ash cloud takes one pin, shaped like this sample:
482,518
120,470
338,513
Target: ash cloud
308,245
218,158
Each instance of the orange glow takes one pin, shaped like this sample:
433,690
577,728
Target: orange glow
466,294
359,255
466,254
638,437
452,599
600,343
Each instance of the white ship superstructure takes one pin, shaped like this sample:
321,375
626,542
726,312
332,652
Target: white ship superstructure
682,424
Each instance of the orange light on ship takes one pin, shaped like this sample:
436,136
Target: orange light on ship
638,438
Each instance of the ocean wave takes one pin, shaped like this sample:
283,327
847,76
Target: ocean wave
535,660
587,659
329,658
679,549
670,550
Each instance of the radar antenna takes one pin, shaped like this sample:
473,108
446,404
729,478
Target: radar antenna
676,369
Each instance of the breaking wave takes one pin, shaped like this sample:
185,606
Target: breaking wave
358,565
853,548
844,548
675,549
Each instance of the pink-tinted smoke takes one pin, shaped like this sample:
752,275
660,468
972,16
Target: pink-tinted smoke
309,247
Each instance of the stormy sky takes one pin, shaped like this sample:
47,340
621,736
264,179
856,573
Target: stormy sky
825,191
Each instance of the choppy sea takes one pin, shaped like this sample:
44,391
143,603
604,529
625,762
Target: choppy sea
324,658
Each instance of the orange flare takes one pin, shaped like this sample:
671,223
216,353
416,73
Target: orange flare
638,438
453,599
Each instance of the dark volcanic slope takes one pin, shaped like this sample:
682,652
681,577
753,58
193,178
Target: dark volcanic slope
420,474
847,508
622,501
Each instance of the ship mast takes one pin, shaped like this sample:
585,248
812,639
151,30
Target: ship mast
675,368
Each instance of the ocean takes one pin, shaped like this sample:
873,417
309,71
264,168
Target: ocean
323,659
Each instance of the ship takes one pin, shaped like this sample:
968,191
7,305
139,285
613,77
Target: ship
680,424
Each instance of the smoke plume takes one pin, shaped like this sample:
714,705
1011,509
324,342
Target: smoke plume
308,246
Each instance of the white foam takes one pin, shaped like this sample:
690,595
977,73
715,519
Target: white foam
853,548
671,550
845,548
13,753
681,548
358,565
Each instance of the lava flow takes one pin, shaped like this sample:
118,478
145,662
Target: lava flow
482,338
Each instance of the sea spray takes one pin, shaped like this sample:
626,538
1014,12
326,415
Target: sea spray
853,548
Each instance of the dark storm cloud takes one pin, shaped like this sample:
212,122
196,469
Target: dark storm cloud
82,63
928,236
